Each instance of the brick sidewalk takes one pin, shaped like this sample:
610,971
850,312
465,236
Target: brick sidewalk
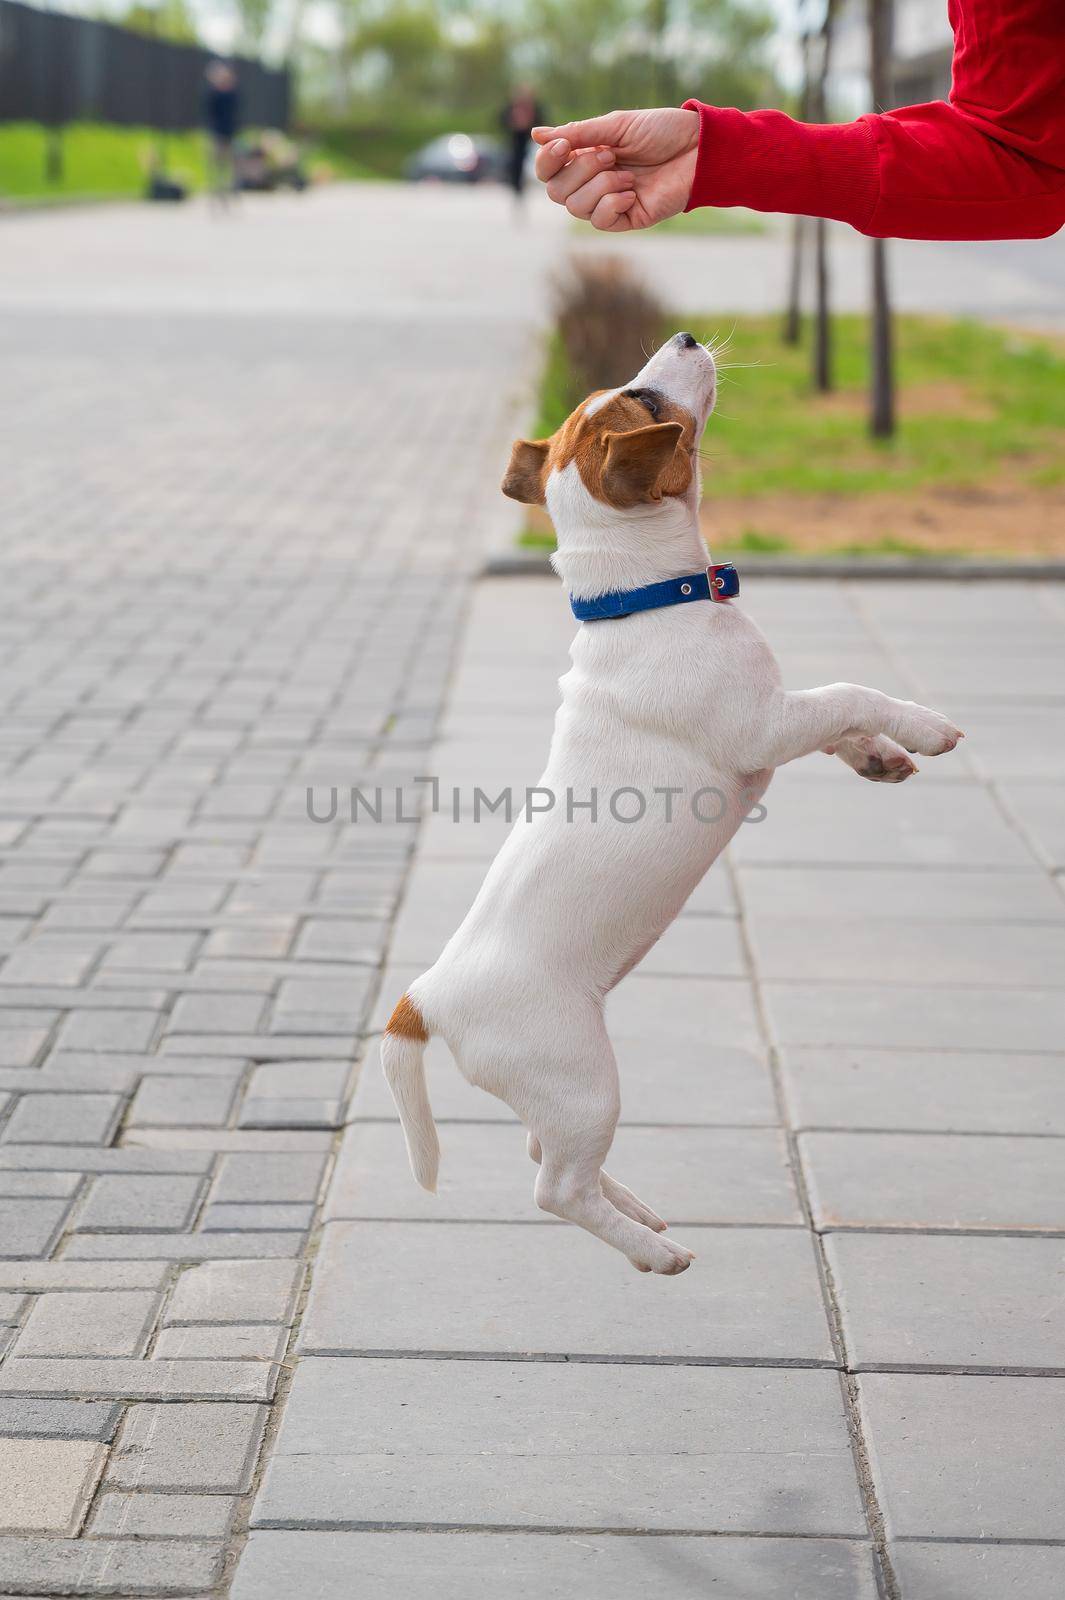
843,1083
234,561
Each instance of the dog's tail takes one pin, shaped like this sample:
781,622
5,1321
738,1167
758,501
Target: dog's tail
403,1058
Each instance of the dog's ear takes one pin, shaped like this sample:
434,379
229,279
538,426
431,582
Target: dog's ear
636,461
524,478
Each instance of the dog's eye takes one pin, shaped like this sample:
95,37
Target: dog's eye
646,399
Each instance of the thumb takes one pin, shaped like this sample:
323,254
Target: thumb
581,135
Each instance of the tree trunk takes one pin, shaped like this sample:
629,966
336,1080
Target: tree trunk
822,351
882,366
792,316
823,317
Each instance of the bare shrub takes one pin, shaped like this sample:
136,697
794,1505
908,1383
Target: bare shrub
609,322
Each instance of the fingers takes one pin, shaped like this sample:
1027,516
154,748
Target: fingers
597,130
551,159
611,213
581,170
607,186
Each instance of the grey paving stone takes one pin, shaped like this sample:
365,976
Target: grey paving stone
678,1009
11,1308
926,1432
69,1119
863,950
128,1159
157,1516
709,1448
59,1419
981,1571
903,1018
207,1448
285,1080
49,961
274,1112
21,1047
251,1342
338,939
432,1566
931,1300
38,1185
69,1064
270,1176
698,947
1037,806
686,1175
752,1294
34,1276
921,894
217,1013
153,952
182,1246
47,1483
934,1091
31,1227
257,1047
934,1180
322,1006
115,1029
89,1324
256,1218
174,1101
119,1378
112,1567
140,1202
235,1292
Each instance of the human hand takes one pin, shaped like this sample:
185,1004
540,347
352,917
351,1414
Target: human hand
627,170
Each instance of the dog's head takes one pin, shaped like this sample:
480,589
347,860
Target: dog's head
623,449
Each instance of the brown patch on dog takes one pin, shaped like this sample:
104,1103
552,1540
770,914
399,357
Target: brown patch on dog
624,457
407,1022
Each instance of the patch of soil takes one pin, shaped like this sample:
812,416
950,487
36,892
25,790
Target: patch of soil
1008,520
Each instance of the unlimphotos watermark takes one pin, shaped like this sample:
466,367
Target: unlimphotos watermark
626,804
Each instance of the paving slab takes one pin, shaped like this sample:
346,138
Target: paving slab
88,1324
428,1566
159,1516
243,1342
735,1456
47,1483
904,1180
910,894
929,1300
857,949
118,1378
172,1448
31,1227
685,1174
966,1457
751,1295
235,1292
183,1246
139,1202
68,1119
931,1091
169,1567
59,1419
902,1018
979,1571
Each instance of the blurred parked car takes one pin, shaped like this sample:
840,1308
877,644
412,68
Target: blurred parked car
269,161
457,158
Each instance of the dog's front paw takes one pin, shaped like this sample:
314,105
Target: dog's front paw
927,732
662,1255
879,759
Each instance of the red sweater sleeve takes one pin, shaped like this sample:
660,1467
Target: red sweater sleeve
987,164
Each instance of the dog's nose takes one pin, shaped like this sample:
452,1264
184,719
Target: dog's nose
687,341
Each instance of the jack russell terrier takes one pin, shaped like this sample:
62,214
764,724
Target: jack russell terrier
672,691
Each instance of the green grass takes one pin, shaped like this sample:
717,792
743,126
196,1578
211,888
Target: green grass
100,161
993,403
712,220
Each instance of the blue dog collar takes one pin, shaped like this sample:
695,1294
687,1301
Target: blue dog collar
715,583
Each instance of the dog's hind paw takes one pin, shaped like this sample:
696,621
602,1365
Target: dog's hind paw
663,1256
877,758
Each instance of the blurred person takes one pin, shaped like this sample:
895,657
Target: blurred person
988,163
221,117
518,118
